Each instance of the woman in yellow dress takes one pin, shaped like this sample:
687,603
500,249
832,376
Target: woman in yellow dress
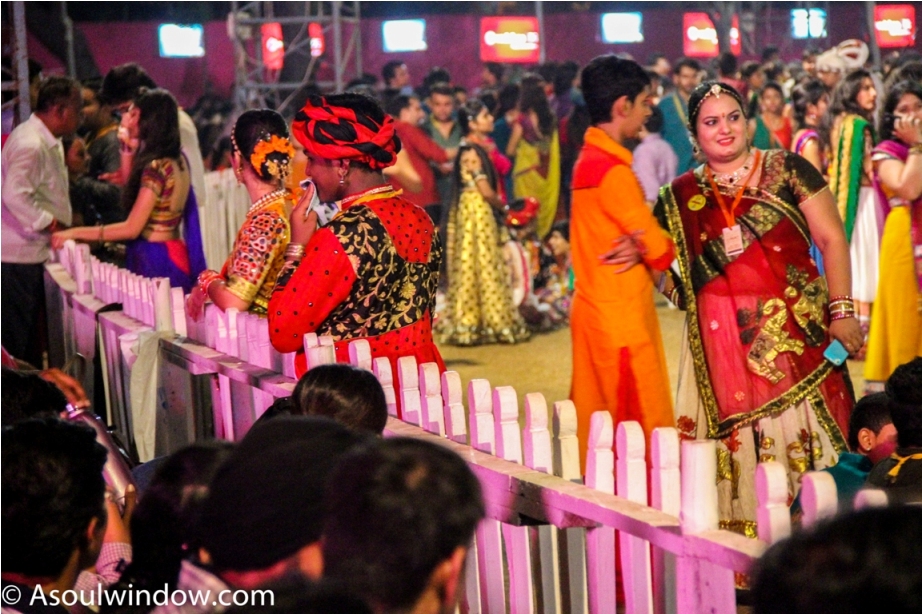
480,307
534,144
261,155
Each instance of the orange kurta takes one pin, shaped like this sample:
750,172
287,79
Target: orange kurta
618,359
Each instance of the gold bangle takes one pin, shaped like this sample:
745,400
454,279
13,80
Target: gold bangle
916,149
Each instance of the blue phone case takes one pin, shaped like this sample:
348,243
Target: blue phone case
836,353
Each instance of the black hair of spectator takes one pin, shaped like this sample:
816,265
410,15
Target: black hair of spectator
807,92
563,80
442,90
436,76
904,387
508,99
395,104
907,71
749,68
459,89
495,69
810,52
295,594
468,112
548,71
871,412
563,227
164,521
389,71
769,52
727,64
887,117
606,79
123,84
351,396
26,395
258,125
93,84
772,85
654,123
577,124
655,57
394,512
534,99
685,63
867,561
489,100
773,71
56,91
158,133
845,95
52,489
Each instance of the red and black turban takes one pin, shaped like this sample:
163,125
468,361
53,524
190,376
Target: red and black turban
347,127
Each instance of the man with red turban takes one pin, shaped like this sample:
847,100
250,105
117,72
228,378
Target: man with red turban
372,271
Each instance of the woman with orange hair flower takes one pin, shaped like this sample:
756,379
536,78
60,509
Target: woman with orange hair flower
261,158
370,272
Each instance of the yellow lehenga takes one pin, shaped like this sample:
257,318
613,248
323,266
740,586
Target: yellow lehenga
480,308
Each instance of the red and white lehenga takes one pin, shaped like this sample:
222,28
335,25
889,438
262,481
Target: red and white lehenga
752,374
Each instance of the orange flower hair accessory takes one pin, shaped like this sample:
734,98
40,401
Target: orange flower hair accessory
276,144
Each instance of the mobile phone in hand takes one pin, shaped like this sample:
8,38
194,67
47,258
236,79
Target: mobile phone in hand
836,353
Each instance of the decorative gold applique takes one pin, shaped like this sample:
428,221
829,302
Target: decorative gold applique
766,458
771,341
768,443
743,527
810,309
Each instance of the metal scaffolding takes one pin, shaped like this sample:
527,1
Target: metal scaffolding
17,79
258,87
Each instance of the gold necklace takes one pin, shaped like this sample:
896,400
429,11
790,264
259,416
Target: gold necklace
265,198
732,178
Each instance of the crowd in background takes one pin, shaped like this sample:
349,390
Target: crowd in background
492,169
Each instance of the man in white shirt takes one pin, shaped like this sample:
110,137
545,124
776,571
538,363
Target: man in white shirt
35,203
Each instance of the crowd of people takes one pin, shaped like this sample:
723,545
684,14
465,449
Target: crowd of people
779,206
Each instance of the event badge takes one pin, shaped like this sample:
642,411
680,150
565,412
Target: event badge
733,240
697,202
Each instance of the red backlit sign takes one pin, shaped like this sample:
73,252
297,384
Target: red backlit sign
509,39
895,25
700,36
318,43
273,45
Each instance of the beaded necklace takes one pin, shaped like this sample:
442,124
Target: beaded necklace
732,178
266,198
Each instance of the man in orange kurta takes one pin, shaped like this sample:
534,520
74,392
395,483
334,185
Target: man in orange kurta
618,361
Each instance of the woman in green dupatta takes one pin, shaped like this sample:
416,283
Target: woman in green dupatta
850,179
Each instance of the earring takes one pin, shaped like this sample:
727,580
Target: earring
342,179
238,174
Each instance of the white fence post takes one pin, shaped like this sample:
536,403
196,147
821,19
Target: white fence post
537,448
360,354
489,537
430,392
818,497
870,497
773,517
453,407
178,307
600,541
408,380
572,541
665,487
381,366
702,586
632,485
518,548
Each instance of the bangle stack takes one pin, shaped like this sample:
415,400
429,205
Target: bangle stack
206,278
916,149
841,307
294,251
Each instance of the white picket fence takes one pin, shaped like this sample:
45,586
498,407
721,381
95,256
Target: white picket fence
548,542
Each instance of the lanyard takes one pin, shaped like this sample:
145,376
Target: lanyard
729,214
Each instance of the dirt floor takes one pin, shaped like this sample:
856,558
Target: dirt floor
544,364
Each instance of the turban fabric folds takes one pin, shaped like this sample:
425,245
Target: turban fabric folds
347,127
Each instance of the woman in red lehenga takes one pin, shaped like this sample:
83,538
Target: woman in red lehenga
372,271
759,317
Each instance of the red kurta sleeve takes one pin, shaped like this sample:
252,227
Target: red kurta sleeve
426,147
304,297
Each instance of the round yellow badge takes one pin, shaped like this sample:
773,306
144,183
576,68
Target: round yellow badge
697,202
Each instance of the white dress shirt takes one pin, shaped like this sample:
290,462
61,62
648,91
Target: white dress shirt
34,191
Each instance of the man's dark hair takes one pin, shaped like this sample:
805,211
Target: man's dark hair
351,396
390,71
52,489
655,57
496,69
871,412
726,64
654,123
685,63
394,512
769,52
904,387
26,395
394,105
55,91
563,80
442,90
606,79
508,98
856,563
810,52
436,76
749,68
123,83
